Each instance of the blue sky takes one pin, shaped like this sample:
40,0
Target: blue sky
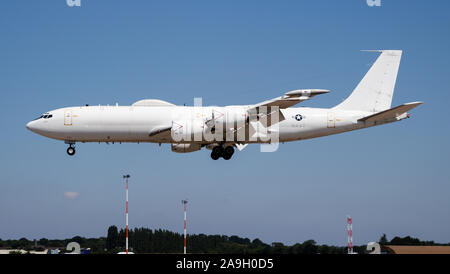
391,179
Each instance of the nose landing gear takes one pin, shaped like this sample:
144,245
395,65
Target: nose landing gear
220,151
71,149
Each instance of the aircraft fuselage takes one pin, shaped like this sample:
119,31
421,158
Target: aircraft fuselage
221,129
135,123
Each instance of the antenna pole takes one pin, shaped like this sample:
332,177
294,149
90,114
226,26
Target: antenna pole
184,202
349,235
126,214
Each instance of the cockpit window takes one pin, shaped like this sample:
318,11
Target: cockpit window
45,116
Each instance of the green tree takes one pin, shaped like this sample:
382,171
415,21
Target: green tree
383,240
78,239
310,247
43,242
408,240
23,243
112,239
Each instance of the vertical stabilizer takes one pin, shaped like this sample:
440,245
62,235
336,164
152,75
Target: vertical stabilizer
374,92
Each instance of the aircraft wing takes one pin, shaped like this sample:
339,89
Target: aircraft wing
264,109
292,98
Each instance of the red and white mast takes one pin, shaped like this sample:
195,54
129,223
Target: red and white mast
349,235
126,214
184,202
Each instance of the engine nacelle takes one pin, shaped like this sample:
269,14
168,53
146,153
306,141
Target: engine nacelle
184,148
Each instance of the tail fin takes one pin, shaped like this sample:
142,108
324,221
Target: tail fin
374,92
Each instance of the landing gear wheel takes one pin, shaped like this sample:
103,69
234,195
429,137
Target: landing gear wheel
227,153
71,151
229,150
216,152
215,156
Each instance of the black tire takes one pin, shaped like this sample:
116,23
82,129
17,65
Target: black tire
218,150
71,151
214,156
229,150
226,156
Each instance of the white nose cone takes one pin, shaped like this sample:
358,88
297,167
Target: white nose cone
29,125
33,126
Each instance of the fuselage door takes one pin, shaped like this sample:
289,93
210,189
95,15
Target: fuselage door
331,121
68,118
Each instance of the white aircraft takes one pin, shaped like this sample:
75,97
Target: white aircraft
221,129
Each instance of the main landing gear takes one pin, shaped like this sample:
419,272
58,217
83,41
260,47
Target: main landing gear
71,149
220,151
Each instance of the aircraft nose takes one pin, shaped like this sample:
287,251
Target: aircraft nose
32,126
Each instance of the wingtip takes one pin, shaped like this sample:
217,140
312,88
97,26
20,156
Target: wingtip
415,103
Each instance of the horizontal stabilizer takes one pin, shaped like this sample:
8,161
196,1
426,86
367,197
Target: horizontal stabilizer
393,113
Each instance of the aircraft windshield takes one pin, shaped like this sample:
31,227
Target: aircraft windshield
45,116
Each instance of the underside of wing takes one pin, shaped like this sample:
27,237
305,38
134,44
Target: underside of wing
269,111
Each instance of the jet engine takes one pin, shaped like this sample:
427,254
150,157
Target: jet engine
184,148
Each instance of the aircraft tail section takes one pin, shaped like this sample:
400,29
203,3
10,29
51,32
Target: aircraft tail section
374,92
